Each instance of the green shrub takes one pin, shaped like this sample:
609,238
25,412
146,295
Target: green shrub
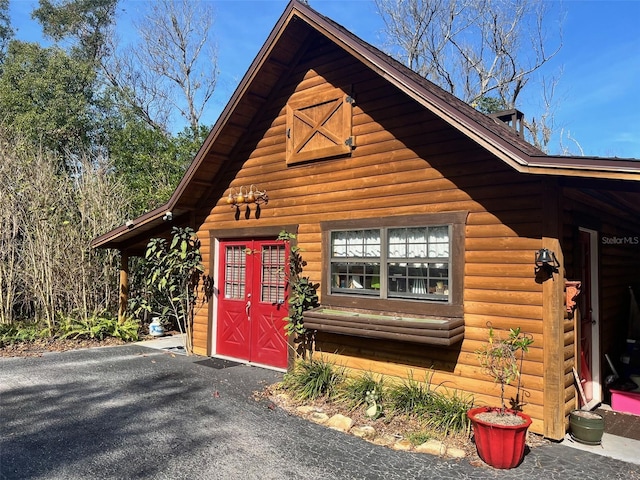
354,391
126,330
20,332
411,397
418,438
312,379
440,412
448,413
97,327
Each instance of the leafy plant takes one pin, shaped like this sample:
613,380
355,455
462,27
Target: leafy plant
174,272
312,379
499,359
19,333
439,410
303,293
444,411
419,437
97,327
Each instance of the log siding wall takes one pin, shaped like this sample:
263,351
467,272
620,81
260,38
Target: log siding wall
406,161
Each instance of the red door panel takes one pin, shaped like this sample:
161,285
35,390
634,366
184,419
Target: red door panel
252,302
269,343
233,325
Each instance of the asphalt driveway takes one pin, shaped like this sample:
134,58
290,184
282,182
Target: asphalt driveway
133,412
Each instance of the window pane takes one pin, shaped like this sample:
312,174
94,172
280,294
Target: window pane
338,244
397,243
418,280
355,244
235,258
439,242
272,275
397,278
355,277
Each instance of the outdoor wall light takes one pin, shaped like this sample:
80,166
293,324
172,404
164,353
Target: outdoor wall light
546,260
245,196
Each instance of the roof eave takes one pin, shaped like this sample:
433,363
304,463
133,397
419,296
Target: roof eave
130,229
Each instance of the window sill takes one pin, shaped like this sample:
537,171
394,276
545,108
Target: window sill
362,323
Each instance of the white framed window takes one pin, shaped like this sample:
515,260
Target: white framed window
402,264
396,262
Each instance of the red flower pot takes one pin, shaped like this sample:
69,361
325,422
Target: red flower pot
501,446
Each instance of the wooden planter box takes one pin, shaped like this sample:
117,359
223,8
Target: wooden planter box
361,323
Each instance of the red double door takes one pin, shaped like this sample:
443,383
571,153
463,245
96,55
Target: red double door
252,301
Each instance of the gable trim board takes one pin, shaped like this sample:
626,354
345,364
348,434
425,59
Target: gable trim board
478,170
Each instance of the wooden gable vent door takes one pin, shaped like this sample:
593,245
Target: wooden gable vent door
319,126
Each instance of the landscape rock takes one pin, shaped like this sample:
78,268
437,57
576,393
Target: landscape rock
319,417
307,409
433,447
365,431
402,445
454,452
385,440
340,422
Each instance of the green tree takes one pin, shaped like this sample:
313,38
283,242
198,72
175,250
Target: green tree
86,22
148,161
6,32
47,97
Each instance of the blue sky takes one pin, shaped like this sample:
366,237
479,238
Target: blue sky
598,103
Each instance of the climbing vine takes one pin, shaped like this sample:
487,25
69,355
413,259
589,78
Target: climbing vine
303,292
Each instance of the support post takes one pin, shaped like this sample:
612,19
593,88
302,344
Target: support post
553,316
123,297
554,361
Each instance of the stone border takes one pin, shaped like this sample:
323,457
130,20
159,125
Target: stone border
345,424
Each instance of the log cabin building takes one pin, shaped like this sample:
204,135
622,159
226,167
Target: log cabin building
420,217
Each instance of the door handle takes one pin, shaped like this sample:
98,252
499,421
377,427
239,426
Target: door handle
247,309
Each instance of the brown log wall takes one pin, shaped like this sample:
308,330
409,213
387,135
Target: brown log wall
406,161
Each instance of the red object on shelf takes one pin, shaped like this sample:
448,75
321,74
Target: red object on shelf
501,446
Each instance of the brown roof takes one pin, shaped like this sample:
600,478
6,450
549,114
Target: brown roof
297,22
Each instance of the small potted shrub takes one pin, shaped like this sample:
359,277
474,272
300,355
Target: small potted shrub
500,432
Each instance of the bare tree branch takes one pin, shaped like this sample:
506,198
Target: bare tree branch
173,66
474,49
